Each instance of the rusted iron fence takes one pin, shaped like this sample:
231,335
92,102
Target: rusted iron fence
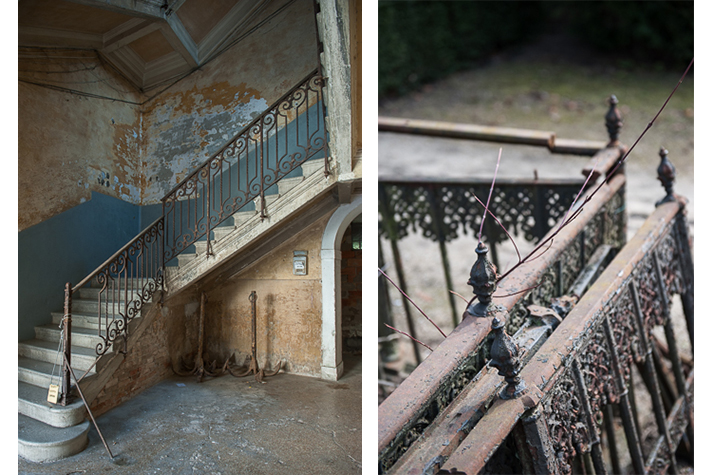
580,380
281,139
444,209
566,376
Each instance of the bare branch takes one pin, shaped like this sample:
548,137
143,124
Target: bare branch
411,301
409,336
490,193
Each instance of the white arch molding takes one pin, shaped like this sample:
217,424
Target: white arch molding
331,345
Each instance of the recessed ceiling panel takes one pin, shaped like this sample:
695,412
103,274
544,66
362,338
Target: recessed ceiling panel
200,16
151,46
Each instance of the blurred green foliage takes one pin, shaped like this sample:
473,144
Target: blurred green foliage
420,41
424,40
648,31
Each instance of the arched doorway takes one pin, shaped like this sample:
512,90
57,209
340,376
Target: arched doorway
331,334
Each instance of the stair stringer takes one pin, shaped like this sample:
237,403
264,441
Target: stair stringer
93,386
293,203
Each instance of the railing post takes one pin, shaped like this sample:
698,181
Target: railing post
66,349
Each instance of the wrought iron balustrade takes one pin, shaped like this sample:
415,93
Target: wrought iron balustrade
273,145
282,138
437,381
580,381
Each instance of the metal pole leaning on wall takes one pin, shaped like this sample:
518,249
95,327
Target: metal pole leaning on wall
66,349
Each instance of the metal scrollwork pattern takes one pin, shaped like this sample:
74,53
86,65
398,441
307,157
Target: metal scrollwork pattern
563,411
443,211
127,283
595,364
277,142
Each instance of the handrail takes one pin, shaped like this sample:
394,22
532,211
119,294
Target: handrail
114,256
282,138
131,276
245,128
589,357
435,382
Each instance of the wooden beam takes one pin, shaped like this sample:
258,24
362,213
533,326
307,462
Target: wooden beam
467,131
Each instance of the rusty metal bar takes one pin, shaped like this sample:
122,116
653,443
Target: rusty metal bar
429,388
466,131
550,365
66,348
388,223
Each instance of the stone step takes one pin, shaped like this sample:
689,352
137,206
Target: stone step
123,282
312,166
91,306
39,373
32,402
79,320
81,358
121,293
287,184
85,337
268,199
39,442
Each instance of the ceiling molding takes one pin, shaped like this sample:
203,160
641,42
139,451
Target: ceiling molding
233,22
118,30
181,40
51,37
138,28
137,8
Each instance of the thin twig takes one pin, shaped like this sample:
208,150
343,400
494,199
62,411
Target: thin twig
490,193
409,336
459,295
412,301
565,222
502,227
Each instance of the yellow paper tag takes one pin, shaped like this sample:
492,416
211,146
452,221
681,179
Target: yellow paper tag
53,393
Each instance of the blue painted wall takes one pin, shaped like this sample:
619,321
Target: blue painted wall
66,248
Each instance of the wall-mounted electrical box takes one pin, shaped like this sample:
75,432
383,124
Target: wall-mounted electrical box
300,262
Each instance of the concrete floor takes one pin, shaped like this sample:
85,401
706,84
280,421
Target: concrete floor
288,424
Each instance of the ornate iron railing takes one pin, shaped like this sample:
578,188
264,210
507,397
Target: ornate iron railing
268,149
435,383
272,146
580,382
123,285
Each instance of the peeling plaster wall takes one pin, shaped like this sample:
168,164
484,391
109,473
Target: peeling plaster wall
288,309
194,119
70,145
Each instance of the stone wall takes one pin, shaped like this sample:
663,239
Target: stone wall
288,309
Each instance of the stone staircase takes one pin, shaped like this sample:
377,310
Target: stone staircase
49,432
227,229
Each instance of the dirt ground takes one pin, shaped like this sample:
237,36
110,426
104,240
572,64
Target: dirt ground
543,86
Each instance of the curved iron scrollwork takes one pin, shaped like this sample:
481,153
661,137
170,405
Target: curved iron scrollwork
126,283
442,211
275,144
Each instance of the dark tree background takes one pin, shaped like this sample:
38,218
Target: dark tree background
420,41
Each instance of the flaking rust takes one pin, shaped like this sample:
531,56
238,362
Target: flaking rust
253,363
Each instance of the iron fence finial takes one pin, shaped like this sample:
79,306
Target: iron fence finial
505,357
666,175
483,279
613,122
